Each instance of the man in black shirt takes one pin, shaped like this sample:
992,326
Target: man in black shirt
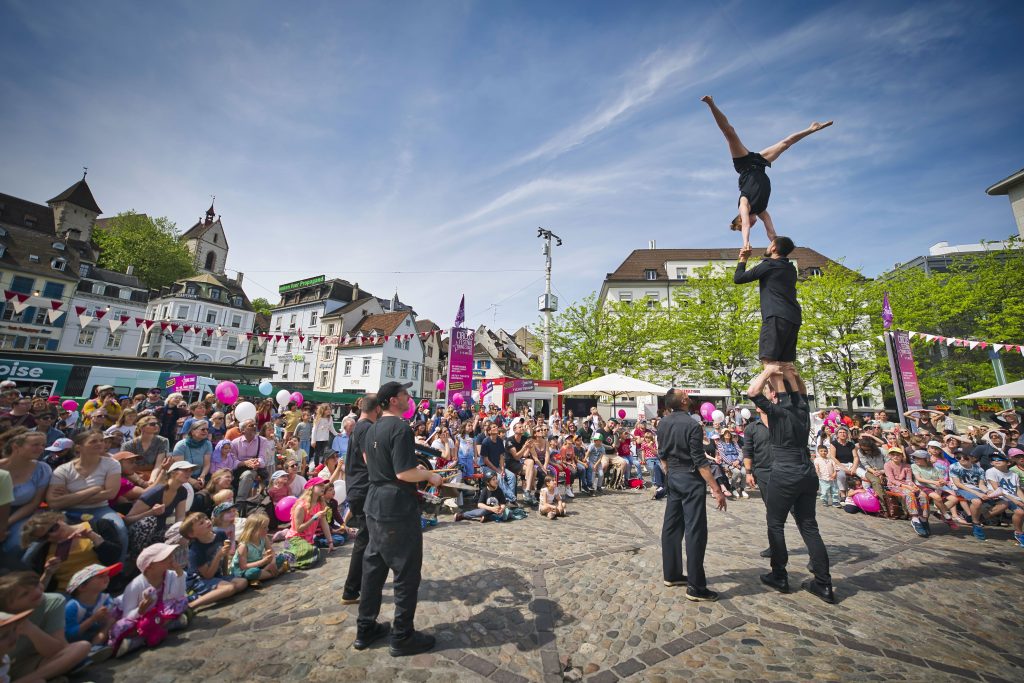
492,453
780,310
688,473
793,485
357,484
393,515
757,458
514,453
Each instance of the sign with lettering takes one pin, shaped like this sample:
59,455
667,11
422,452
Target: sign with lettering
182,383
299,284
460,363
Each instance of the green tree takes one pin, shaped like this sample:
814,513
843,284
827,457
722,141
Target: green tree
261,305
839,334
713,330
589,339
151,245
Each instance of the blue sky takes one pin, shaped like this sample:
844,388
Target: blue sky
357,139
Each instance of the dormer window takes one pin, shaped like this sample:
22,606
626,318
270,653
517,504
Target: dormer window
650,274
215,293
30,220
58,246
814,271
58,264
32,258
236,301
191,290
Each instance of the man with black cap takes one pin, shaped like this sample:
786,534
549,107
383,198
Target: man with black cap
688,474
393,517
757,458
793,485
357,484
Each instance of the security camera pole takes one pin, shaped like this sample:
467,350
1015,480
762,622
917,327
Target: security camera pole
548,302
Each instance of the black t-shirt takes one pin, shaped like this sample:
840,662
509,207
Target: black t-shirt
492,498
201,554
492,451
681,441
390,449
608,439
155,496
516,443
844,453
357,481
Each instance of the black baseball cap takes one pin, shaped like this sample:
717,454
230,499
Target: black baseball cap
389,390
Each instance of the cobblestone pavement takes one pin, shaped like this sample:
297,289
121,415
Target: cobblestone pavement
582,598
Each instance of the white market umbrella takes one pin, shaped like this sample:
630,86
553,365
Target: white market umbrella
616,386
1011,390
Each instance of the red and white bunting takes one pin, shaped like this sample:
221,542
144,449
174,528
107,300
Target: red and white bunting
174,327
998,347
20,302
100,313
221,332
966,343
209,331
115,322
53,314
164,326
83,319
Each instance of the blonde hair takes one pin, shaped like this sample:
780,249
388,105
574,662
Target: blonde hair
37,524
128,412
255,524
223,496
323,410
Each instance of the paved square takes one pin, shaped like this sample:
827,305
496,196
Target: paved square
539,600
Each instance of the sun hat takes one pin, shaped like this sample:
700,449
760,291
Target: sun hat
86,573
157,552
915,454
60,445
222,508
6,618
125,455
934,444
173,534
1014,452
277,475
181,465
313,482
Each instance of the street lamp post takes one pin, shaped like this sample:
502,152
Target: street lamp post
548,302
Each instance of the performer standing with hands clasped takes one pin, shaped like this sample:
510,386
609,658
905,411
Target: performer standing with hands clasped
793,483
393,517
688,474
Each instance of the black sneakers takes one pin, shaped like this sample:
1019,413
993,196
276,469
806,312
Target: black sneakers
365,638
701,595
823,593
781,585
413,645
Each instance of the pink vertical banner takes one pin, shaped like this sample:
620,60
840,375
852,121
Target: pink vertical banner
460,363
907,370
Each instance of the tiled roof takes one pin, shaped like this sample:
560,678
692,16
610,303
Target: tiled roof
78,194
115,278
18,212
348,308
384,324
426,325
641,260
20,244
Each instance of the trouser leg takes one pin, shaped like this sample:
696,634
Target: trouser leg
353,584
245,483
804,513
695,518
672,535
375,573
402,550
777,504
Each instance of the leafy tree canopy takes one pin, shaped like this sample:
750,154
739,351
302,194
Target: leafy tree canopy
149,244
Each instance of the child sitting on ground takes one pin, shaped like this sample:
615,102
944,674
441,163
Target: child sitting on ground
90,611
223,518
551,504
334,518
828,487
255,560
208,555
153,603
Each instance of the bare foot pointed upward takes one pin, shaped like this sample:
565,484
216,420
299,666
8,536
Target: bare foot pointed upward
817,125
707,99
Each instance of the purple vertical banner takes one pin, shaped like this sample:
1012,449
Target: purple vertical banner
907,370
460,363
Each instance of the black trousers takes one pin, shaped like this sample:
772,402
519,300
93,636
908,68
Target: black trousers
354,582
794,489
685,517
398,547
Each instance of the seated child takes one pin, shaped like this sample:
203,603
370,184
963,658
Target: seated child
90,611
334,517
255,559
551,504
492,505
153,603
208,555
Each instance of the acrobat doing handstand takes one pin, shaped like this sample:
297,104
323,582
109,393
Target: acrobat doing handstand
755,188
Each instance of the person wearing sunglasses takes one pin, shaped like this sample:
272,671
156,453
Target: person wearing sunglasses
56,549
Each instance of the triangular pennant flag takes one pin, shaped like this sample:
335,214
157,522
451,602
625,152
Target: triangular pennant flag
998,347
247,335
911,335
83,319
984,344
386,337
972,344
221,332
286,337
174,327
114,323
929,337
8,294
139,322
20,302
55,305
53,314
950,341
100,313
164,325
209,331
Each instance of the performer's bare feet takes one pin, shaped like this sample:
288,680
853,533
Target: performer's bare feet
816,126
707,99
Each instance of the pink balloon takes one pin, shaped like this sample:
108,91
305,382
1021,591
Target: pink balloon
440,385
622,413
283,508
297,397
227,392
707,409
866,502
69,405
411,410
458,399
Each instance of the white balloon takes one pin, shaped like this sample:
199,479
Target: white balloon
717,416
745,414
283,398
245,411
190,496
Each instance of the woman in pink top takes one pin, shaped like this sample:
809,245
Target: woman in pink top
308,512
900,479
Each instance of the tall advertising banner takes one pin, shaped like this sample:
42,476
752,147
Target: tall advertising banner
460,364
903,372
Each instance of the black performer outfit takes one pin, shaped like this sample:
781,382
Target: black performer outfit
757,449
393,515
357,484
793,486
780,311
754,183
681,448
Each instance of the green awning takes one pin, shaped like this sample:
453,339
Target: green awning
252,391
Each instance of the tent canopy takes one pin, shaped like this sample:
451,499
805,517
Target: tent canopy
1011,390
616,386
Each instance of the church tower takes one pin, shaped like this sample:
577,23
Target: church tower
75,211
206,242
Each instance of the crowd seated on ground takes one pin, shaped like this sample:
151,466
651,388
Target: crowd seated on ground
120,521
